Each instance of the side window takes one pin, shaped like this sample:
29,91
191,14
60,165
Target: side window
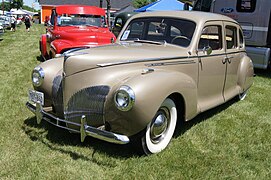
241,39
211,36
246,5
231,37
118,22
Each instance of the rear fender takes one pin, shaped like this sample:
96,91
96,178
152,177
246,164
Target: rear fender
245,73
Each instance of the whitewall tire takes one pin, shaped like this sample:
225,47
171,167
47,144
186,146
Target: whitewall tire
161,129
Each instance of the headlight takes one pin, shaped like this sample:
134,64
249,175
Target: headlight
37,76
124,98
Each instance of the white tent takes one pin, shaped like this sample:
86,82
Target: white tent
17,12
29,12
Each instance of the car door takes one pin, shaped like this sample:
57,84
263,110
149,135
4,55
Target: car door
233,57
212,68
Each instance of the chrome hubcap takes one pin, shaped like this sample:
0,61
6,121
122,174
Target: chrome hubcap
159,125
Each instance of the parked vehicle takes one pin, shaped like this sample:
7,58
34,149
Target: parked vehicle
120,20
73,26
255,18
1,29
166,67
6,21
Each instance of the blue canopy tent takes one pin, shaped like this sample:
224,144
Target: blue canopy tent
162,5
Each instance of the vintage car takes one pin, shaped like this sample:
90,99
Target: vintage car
73,26
166,67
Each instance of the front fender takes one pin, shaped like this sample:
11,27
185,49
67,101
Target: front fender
59,45
245,73
150,91
43,48
52,69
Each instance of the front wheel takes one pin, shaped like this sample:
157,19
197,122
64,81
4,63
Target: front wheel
161,129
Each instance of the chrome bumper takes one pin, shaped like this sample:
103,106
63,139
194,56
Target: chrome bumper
85,130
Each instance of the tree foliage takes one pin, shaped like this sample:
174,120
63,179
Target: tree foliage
9,4
141,3
25,7
6,7
17,4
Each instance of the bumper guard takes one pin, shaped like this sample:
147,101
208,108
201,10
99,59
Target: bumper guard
85,130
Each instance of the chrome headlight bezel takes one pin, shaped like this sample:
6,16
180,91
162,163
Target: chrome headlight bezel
124,98
38,76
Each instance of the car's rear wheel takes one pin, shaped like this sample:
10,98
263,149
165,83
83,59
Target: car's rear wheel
161,129
242,95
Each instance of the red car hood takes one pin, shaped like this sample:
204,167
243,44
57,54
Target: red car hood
83,35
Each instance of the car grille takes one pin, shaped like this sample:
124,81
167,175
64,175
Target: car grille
89,102
57,95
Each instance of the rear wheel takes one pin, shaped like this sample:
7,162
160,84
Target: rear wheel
242,95
161,129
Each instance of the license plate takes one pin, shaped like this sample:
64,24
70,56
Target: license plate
36,97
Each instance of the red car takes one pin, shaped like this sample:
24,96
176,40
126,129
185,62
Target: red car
74,26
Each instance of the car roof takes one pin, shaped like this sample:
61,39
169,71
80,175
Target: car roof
196,16
79,9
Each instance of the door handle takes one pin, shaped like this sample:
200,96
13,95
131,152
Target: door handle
224,60
229,59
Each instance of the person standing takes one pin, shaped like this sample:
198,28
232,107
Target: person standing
27,23
13,23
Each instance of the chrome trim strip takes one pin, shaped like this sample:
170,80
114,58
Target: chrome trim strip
88,130
170,63
165,59
143,60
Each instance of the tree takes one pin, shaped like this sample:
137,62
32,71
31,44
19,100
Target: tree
141,3
6,6
17,4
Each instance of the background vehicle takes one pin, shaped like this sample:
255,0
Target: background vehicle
6,21
1,29
166,67
73,26
255,18
120,20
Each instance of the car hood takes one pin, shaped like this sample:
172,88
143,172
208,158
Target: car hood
121,53
82,34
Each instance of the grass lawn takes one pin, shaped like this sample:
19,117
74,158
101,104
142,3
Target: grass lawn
232,141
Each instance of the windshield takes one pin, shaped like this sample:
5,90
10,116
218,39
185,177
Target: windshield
170,30
81,20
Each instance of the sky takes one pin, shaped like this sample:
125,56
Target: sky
30,2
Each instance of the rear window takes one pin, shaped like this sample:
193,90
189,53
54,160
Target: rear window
246,5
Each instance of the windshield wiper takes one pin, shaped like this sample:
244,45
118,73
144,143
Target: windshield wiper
150,42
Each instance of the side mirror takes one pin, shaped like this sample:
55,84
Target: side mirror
207,50
186,6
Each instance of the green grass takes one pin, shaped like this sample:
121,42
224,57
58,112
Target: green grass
232,141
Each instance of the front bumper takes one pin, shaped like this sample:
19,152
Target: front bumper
85,130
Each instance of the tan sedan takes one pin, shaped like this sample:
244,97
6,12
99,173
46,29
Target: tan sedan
165,67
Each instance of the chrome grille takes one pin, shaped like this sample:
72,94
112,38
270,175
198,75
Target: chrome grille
88,102
57,95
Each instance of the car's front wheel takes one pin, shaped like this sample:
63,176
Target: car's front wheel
161,129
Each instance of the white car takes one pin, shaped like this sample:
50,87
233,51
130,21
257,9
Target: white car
6,21
1,30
